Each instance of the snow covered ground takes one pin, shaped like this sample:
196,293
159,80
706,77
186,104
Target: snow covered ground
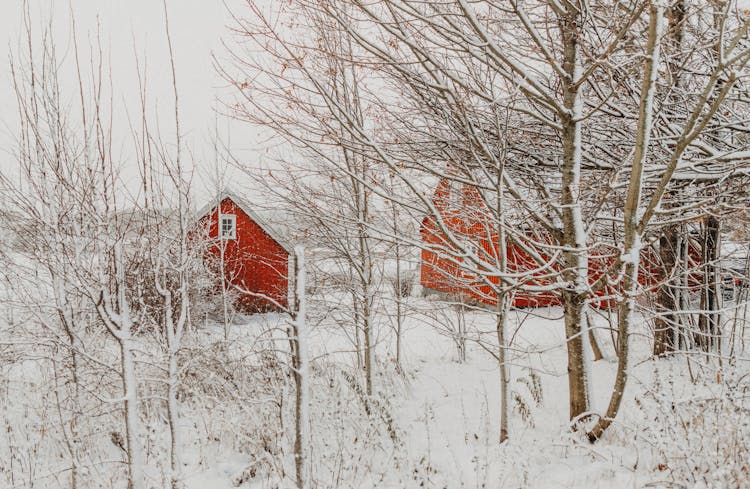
446,413
434,425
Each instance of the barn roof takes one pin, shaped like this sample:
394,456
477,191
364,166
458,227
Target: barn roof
244,207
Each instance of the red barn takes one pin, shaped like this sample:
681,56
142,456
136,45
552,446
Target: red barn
254,258
463,212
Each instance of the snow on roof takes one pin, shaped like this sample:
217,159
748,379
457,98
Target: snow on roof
247,209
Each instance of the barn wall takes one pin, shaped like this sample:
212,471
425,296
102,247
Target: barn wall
465,218
443,274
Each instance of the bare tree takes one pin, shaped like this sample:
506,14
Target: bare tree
460,64
334,196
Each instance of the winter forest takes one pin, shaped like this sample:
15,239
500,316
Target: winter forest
417,244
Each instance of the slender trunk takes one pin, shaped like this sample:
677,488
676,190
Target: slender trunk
367,333
684,339
173,416
73,439
347,89
629,261
172,412
502,320
69,435
300,367
357,341
595,348
741,312
460,336
575,256
573,307
708,321
666,328
399,290
365,264
299,457
503,301
223,278
625,312
130,388
666,323
65,312
120,325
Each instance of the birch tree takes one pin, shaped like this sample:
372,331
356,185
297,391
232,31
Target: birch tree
175,315
576,73
639,209
40,190
71,152
331,189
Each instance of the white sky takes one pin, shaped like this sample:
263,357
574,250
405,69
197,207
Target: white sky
130,26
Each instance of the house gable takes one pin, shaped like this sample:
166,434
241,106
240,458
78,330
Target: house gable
254,259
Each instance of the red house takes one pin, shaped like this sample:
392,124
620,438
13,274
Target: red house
254,259
462,211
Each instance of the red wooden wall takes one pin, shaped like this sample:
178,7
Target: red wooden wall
464,217
253,262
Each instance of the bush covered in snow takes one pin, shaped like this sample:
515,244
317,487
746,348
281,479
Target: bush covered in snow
701,434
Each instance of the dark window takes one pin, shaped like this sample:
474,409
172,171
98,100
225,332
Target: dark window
228,226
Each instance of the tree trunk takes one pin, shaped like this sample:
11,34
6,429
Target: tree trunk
598,355
575,257
684,340
301,372
367,333
357,316
460,335
573,307
502,323
666,328
365,270
172,412
631,253
708,321
130,388
624,320
223,277
67,320
174,450
666,324
399,290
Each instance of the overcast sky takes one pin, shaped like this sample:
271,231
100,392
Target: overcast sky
127,27
130,26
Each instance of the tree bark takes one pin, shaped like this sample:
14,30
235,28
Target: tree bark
708,321
666,329
130,389
398,286
598,355
632,225
300,374
575,257
502,320
666,325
